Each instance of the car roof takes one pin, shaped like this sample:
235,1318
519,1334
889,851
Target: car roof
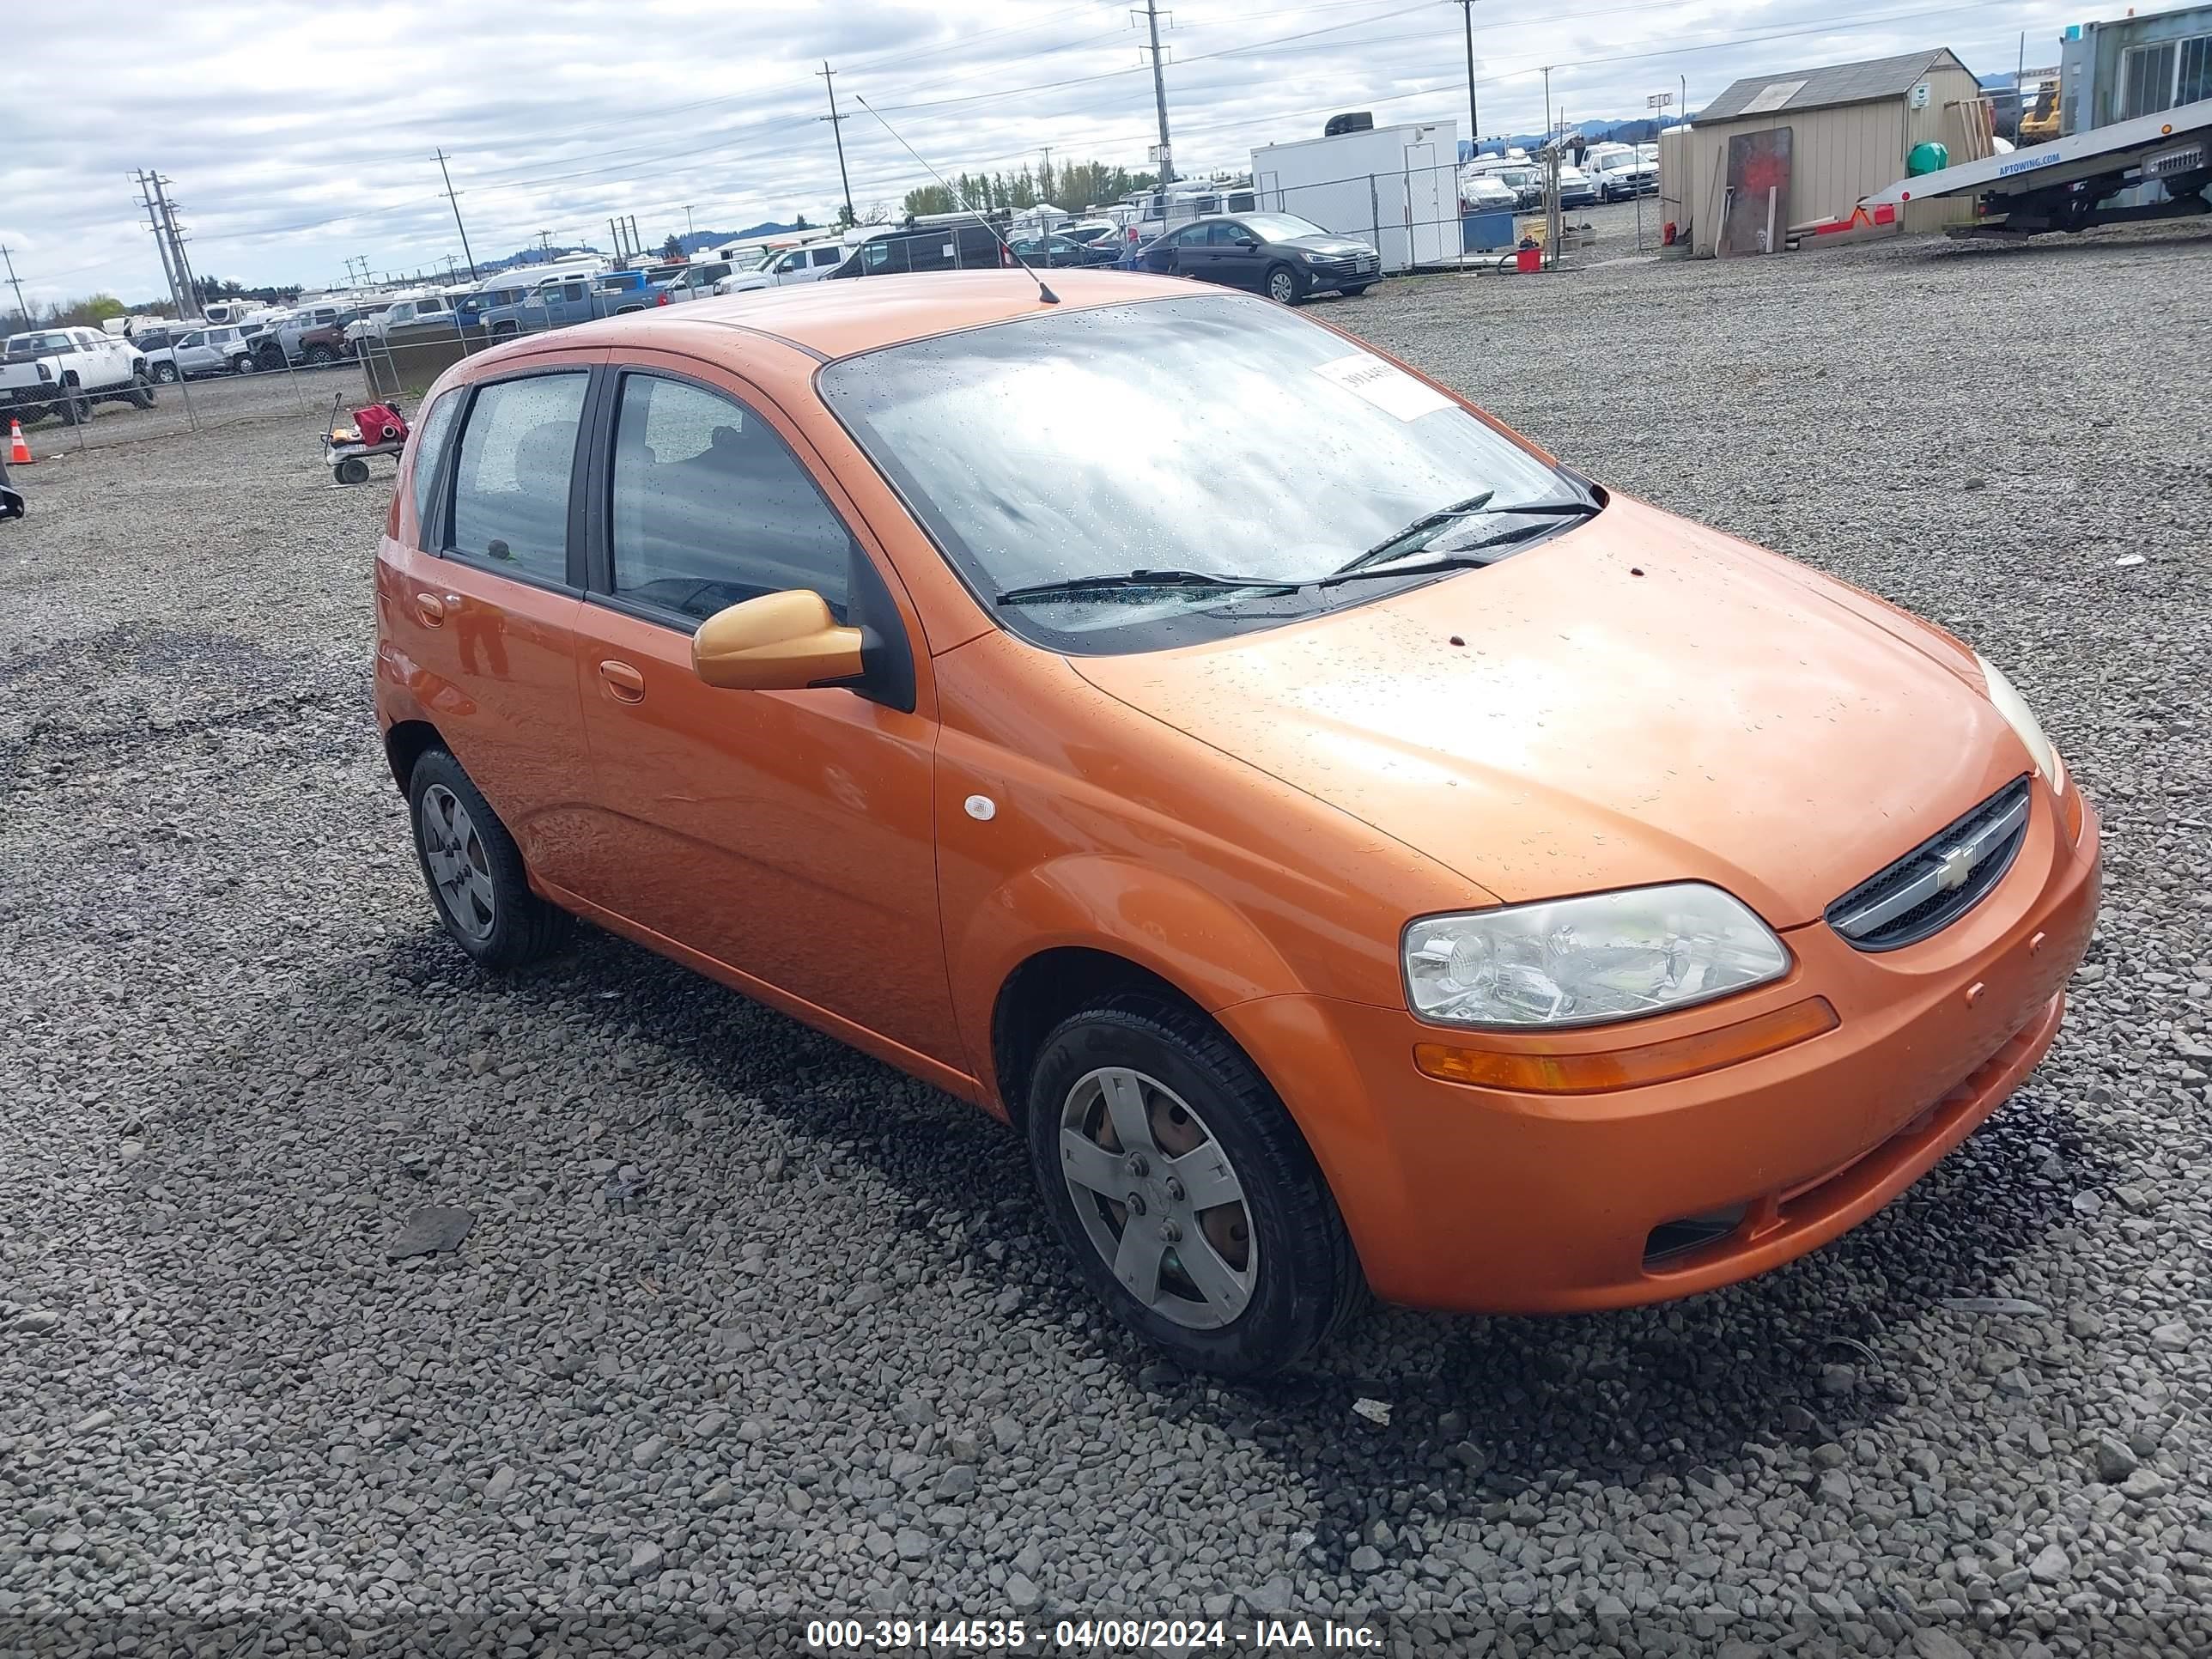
835,319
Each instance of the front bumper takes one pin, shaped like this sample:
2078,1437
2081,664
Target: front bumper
1486,1200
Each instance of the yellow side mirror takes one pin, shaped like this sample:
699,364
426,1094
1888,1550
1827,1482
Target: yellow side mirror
779,643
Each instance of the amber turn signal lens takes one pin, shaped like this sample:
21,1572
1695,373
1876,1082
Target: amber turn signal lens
1627,1069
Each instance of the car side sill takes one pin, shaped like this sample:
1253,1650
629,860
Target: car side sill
953,1081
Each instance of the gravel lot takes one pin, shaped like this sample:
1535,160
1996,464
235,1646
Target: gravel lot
749,1329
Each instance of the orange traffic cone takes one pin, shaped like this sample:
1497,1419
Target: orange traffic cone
19,453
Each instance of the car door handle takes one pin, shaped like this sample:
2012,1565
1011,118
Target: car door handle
431,609
623,683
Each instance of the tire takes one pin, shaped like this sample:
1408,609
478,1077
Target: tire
1282,285
141,393
318,354
245,363
75,409
490,913
165,373
1280,1272
351,471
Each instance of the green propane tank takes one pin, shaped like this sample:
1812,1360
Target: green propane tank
1931,157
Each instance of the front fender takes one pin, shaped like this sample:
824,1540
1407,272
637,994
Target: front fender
1103,902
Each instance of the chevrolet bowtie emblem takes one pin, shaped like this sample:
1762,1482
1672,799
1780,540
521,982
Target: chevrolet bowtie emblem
1953,869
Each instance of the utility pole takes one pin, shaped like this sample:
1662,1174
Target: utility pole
838,130
1160,95
176,236
614,230
457,225
635,247
1473,123
17,282
1044,173
161,244
545,241
689,229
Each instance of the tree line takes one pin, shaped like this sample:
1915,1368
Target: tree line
1074,185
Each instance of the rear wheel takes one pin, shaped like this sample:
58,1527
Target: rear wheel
1282,285
74,407
352,470
1185,1196
474,870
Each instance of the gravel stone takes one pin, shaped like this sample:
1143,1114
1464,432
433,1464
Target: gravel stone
209,905
2116,1461
431,1230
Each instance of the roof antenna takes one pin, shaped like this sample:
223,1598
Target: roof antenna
1043,293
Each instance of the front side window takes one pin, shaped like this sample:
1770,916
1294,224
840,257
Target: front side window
709,509
511,487
1061,446
430,435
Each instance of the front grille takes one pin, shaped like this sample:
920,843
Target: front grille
1938,881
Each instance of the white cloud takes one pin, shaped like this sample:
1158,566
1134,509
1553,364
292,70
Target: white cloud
295,140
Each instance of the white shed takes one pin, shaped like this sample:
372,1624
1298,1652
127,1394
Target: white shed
1395,187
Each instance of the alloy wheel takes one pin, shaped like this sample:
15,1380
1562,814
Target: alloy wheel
1159,1198
460,869
1282,288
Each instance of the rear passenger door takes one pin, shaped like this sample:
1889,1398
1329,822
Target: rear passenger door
787,837
481,599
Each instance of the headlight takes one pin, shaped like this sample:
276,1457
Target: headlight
1583,961
2018,716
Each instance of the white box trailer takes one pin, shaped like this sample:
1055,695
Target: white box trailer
1395,187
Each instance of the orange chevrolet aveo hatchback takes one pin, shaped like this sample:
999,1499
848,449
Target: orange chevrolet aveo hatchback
1354,849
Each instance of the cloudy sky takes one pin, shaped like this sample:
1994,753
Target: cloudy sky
295,139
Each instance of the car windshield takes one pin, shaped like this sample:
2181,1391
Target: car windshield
1280,227
1218,434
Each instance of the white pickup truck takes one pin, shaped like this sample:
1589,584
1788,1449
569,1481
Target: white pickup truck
64,370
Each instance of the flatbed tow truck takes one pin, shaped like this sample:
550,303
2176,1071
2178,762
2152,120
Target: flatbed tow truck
2067,182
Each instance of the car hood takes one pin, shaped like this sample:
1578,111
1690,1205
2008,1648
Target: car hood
1330,244
1636,700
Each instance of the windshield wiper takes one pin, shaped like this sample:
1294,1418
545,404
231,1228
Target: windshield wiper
1073,587
1471,557
1396,544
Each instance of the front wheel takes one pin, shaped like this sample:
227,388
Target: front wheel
166,374
141,393
474,870
243,363
1282,285
1188,1198
318,354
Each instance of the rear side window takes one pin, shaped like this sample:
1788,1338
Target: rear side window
511,487
430,438
711,509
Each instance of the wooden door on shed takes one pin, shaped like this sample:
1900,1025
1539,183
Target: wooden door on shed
1757,210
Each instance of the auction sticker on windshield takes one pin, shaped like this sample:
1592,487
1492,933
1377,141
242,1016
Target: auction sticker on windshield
1388,387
